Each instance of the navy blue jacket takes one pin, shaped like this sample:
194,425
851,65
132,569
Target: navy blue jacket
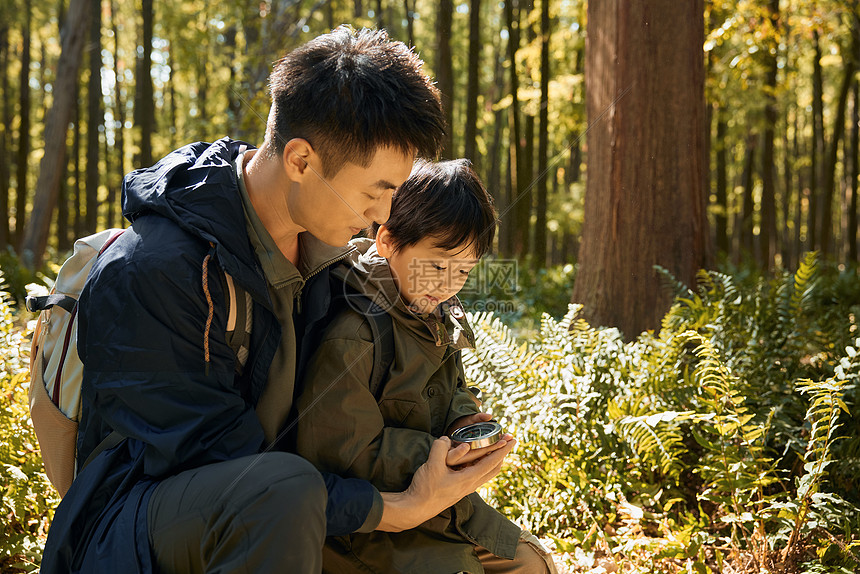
141,336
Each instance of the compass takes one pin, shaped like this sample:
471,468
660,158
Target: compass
478,435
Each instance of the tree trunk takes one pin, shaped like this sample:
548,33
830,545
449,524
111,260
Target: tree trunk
144,102
445,72
748,210
115,207
5,172
380,18
788,193
767,231
56,127
543,140
855,174
849,66
645,202
817,151
23,129
721,218
472,89
520,203
77,210
410,22
95,117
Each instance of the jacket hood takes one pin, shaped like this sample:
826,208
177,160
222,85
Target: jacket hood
196,187
369,273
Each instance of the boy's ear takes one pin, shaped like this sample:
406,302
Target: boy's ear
297,153
384,245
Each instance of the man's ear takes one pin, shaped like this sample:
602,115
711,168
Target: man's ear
297,154
384,244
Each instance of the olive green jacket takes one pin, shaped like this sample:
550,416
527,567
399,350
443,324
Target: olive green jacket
345,429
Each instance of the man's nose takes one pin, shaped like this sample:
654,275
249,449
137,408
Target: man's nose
380,210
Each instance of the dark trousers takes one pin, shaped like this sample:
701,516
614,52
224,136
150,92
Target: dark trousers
257,514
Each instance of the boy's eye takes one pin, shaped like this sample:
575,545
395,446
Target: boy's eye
438,267
465,271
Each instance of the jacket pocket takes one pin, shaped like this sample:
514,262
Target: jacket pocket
395,411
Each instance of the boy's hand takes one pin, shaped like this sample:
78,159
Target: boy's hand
461,455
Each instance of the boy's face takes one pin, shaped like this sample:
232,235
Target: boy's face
427,275
334,209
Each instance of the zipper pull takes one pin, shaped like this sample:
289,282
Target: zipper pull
299,302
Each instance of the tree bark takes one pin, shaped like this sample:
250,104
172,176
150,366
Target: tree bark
410,22
56,127
95,117
849,67
144,103
721,191
767,230
5,172
445,72
472,88
114,206
645,202
817,151
520,203
855,174
543,140
23,164
77,219
748,209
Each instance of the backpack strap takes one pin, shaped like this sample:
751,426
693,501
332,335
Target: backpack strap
382,329
240,320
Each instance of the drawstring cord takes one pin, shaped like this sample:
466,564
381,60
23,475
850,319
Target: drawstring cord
211,306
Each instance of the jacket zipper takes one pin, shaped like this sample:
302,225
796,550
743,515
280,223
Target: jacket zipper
319,268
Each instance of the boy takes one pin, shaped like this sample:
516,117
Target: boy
442,222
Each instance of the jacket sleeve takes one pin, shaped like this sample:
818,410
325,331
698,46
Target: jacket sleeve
144,339
341,428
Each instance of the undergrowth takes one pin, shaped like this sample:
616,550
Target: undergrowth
725,443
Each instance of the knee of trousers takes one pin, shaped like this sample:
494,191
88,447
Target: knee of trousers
281,480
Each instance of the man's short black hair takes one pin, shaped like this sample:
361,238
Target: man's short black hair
445,201
349,93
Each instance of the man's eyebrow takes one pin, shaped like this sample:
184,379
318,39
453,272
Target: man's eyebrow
385,184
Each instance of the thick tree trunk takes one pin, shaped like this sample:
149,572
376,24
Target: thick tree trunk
445,71
5,172
645,202
95,117
23,129
472,87
56,127
543,140
144,103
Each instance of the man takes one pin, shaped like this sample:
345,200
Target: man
194,485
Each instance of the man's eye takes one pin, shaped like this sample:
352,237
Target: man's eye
438,267
465,271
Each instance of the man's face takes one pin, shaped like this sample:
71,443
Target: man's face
336,208
427,275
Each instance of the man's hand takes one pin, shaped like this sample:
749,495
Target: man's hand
462,455
436,485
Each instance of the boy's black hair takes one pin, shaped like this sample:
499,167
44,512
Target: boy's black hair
445,201
349,93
